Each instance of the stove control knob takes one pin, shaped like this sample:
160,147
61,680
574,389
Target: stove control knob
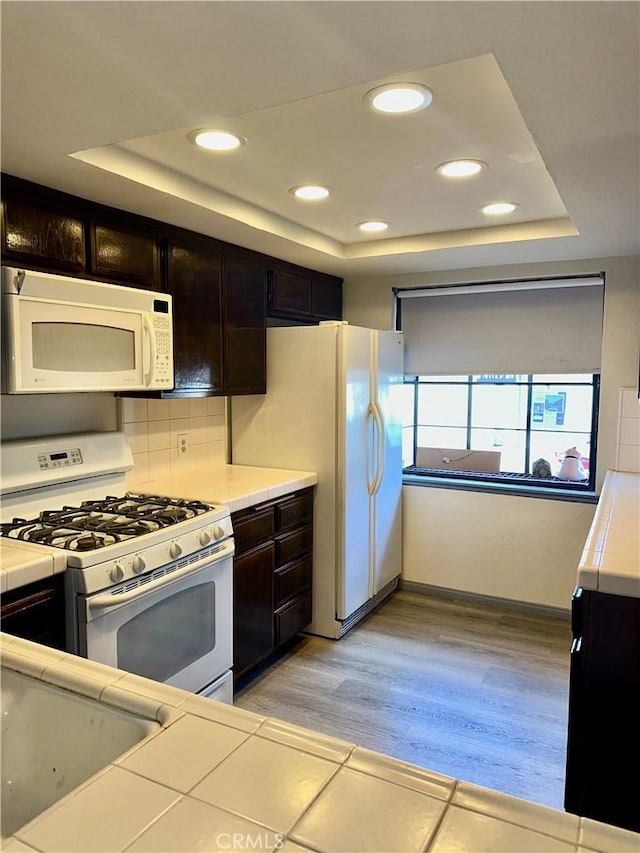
138,565
117,572
175,550
218,532
204,538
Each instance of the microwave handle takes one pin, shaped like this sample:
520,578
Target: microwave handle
148,350
113,602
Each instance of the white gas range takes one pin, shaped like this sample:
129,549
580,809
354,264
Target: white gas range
148,579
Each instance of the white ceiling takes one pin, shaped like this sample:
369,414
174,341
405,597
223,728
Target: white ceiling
547,93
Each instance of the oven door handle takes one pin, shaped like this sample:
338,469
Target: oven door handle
113,602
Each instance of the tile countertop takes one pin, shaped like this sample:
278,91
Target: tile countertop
22,563
215,777
610,561
237,486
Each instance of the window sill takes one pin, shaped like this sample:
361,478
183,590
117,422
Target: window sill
521,489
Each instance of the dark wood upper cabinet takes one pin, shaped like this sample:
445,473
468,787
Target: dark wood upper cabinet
125,256
290,294
193,279
42,238
244,297
304,298
220,295
326,300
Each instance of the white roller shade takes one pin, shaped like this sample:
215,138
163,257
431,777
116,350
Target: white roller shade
543,326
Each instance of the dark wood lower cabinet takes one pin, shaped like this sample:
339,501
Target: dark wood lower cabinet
273,572
253,607
603,746
36,612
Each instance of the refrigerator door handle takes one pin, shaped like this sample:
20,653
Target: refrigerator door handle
372,483
378,420
381,444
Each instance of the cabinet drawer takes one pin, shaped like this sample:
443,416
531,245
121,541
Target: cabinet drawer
292,580
292,618
293,545
294,512
253,528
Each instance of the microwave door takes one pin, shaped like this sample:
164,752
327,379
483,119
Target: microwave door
66,347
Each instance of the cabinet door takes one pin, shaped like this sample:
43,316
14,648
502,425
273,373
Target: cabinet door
36,612
326,300
245,328
252,607
194,283
125,257
290,294
38,237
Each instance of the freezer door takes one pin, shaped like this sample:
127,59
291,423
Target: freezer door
356,468
386,510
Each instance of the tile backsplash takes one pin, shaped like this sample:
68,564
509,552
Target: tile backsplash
152,428
628,444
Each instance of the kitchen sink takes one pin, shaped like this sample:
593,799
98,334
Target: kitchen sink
52,741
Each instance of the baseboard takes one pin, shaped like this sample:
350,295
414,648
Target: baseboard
489,600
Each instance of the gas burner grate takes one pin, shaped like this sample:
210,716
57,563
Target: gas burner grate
99,523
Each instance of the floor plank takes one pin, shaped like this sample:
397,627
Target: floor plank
473,691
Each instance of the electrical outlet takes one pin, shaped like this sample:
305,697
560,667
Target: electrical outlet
183,445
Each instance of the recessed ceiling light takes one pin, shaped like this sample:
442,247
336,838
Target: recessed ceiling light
310,192
399,98
460,168
216,140
373,226
498,208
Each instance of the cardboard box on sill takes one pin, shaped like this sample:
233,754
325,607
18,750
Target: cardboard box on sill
455,459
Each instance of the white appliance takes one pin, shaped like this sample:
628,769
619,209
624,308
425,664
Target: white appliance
68,334
332,406
148,578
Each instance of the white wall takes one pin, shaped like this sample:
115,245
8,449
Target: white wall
29,415
501,545
151,426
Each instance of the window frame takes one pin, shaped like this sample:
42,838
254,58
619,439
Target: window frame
521,483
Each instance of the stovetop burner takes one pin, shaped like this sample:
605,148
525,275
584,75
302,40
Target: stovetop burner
99,523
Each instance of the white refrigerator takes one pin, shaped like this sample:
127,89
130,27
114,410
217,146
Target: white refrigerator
333,406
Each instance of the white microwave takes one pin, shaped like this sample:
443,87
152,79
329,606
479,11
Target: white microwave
63,334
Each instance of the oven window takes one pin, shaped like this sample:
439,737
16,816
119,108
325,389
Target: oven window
82,347
170,635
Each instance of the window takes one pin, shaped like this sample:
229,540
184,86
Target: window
500,428
490,425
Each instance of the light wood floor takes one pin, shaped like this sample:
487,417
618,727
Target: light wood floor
472,691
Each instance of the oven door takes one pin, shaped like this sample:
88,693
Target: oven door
175,628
